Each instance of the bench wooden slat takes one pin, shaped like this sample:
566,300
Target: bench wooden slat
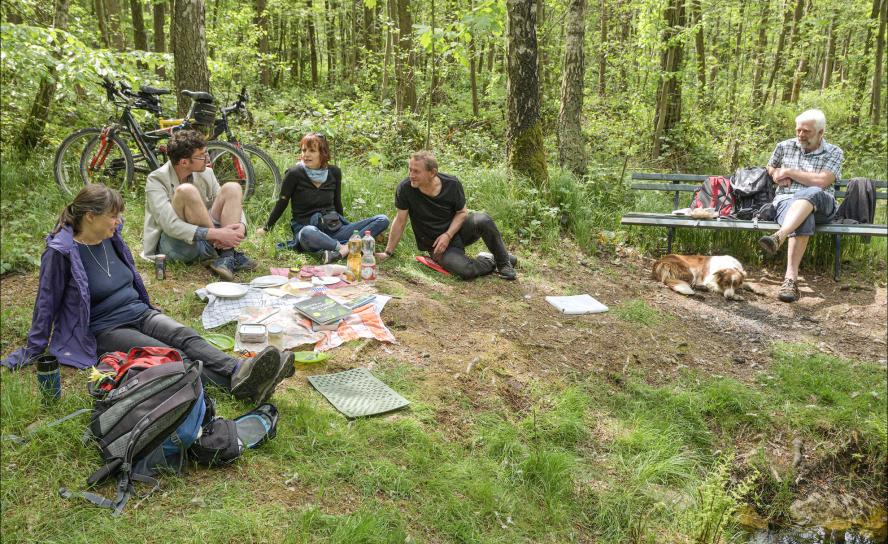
669,220
665,187
653,176
669,177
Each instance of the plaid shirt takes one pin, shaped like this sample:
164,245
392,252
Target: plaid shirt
789,154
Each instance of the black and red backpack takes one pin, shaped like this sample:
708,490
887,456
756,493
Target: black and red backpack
715,193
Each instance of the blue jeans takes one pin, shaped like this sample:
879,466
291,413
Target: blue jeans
824,208
311,238
181,251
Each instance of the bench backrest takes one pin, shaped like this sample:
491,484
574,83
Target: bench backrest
691,182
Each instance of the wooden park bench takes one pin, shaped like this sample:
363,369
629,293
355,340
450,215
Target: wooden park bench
688,183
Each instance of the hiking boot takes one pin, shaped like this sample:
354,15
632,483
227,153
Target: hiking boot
326,256
770,244
286,369
506,272
242,262
513,259
223,267
789,291
254,377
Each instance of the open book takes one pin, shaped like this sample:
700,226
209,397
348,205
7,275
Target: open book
322,309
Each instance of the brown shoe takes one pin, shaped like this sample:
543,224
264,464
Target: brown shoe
770,244
789,291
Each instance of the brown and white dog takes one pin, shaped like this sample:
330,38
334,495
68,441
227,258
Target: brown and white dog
720,274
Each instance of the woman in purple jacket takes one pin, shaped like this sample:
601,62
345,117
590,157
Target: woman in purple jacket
91,300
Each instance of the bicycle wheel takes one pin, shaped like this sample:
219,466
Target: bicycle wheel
267,184
230,164
83,157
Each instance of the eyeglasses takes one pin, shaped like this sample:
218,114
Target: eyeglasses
205,157
318,135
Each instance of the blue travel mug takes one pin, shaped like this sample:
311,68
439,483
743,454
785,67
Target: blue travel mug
49,377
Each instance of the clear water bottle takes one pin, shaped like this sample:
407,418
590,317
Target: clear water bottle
354,255
368,243
368,259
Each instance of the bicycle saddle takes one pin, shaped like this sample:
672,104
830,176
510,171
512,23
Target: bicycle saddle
145,89
199,96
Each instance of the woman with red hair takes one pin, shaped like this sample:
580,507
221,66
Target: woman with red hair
313,189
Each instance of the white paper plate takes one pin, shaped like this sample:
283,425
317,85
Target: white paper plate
327,280
300,284
269,281
225,289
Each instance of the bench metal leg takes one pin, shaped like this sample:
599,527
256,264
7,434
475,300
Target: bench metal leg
837,259
669,239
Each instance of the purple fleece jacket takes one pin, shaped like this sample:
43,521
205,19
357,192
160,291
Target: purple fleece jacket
61,311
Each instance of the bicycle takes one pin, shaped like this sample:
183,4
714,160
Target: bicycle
268,175
267,172
102,155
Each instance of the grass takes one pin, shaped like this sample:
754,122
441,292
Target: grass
590,460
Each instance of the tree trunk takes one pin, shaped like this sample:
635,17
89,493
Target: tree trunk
473,78
190,52
387,55
788,76
312,45
140,37
760,46
863,69
668,112
843,71
526,153
115,26
260,20
541,60
876,96
35,124
159,21
571,152
329,30
781,42
800,73
830,56
102,20
699,47
602,49
405,59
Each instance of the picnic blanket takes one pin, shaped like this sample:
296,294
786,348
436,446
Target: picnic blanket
365,322
295,333
220,311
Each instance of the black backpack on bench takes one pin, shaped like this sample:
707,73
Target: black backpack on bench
753,188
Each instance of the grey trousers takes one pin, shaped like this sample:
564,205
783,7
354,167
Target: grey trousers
159,330
476,226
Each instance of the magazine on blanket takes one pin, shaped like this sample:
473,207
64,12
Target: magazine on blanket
322,309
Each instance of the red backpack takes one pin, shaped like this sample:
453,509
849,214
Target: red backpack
715,193
113,365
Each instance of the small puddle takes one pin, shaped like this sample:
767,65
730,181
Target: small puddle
867,529
814,535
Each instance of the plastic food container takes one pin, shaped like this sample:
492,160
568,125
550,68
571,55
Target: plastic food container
253,333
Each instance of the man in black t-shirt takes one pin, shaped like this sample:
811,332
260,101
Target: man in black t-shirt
436,207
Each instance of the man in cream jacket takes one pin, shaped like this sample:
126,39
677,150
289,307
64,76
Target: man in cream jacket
188,216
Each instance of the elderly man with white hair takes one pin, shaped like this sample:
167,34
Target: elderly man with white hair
804,169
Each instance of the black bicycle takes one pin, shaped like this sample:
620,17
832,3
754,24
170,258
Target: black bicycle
114,153
267,182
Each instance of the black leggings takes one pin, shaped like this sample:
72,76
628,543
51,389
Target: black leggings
159,330
455,260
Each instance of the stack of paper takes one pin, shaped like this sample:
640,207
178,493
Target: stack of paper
577,305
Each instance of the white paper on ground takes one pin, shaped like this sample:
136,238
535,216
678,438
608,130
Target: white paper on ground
577,305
